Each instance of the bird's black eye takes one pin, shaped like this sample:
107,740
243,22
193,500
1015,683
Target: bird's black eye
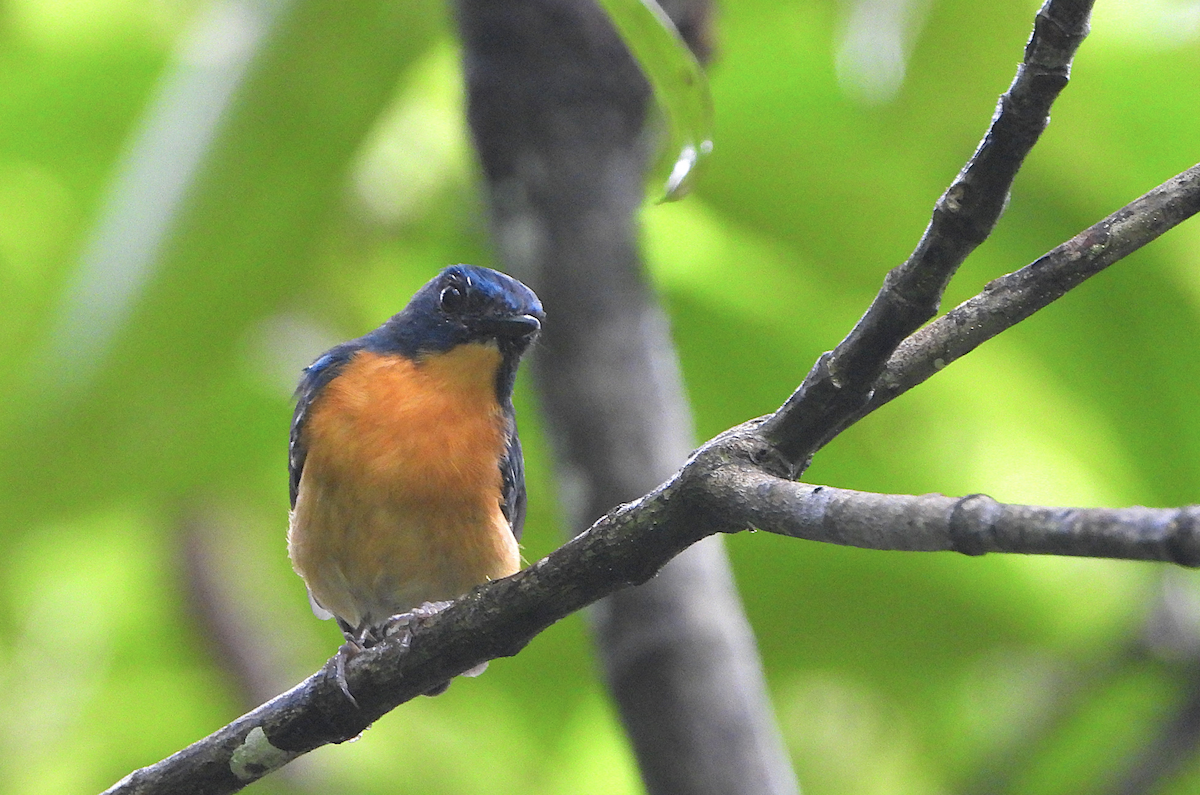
452,298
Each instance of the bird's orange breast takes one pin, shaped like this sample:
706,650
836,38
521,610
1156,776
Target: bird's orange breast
399,499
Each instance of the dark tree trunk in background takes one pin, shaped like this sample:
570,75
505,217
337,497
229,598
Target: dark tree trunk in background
558,110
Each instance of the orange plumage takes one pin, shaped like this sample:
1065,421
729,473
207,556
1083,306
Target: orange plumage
405,471
399,500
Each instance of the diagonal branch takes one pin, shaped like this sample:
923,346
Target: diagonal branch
739,480
1015,296
734,482
840,383
624,548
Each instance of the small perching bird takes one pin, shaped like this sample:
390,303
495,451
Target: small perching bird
407,480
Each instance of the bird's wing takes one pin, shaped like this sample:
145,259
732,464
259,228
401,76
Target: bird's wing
316,377
512,472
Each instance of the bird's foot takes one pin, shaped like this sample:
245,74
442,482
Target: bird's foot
346,652
364,637
402,624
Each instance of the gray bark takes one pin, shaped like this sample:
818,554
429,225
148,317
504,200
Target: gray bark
558,110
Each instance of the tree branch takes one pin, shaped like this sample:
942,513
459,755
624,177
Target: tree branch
1014,297
840,383
737,481
494,620
973,525
741,479
558,114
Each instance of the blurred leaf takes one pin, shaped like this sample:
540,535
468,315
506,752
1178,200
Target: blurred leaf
680,87
337,180
181,271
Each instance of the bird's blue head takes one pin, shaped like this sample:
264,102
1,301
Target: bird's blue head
464,304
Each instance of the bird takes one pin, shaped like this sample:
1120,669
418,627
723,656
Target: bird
406,475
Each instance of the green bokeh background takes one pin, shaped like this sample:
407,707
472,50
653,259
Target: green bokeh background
343,179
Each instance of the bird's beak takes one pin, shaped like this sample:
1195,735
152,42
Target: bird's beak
511,326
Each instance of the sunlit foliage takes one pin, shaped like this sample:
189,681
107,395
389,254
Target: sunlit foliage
144,392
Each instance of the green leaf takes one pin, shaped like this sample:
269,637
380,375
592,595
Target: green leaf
223,249
679,85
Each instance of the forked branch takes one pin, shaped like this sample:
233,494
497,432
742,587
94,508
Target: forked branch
743,478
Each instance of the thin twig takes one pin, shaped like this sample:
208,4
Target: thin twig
1014,297
840,383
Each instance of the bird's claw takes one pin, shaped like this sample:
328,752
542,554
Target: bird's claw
402,623
364,637
347,651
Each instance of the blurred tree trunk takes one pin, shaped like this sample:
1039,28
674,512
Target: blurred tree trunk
558,110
